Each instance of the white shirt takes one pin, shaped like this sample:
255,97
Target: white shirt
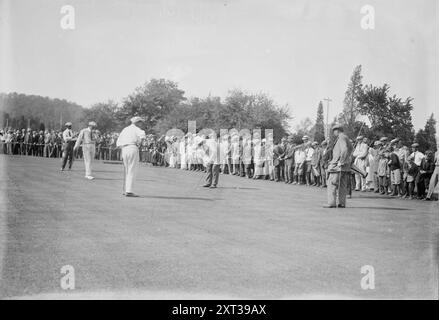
212,152
361,150
67,135
309,153
418,156
131,135
299,156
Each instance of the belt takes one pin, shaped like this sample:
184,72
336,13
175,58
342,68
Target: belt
128,145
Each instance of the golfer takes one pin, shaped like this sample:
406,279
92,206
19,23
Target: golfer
129,141
87,138
339,169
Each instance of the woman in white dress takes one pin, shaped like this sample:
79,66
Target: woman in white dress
235,154
183,153
258,159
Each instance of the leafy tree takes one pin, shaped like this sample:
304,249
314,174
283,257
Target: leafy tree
348,117
319,127
153,101
239,110
104,114
22,109
389,116
427,137
304,128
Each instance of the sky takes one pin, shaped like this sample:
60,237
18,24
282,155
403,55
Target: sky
299,52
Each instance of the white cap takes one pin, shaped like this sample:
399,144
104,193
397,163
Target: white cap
136,119
92,123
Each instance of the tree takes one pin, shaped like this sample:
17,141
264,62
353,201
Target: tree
22,109
104,114
389,116
319,127
304,128
153,101
348,117
239,110
427,137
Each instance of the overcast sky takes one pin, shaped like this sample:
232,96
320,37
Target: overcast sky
299,52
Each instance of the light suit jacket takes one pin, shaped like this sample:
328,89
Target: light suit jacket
341,155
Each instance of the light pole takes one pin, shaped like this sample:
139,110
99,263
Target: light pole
328,100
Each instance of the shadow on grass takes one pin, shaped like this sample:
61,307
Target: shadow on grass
381,208
110,179
176,198
238,188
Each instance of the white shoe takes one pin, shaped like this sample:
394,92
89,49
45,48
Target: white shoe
89,177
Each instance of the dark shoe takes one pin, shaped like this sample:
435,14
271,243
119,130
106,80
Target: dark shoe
341,206
132,195
427,199
206,186
329,207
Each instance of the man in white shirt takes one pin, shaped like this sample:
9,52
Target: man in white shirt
299,162
212,161
418,156
434,180
360,153
309,153
67,147
129,141
87,138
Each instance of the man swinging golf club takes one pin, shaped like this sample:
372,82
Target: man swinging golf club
339,168
129,141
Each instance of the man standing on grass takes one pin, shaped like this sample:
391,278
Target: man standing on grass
339,169
87,138
129,141
434,180
67,146
211,160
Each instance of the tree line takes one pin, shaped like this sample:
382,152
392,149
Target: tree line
372,111
369,110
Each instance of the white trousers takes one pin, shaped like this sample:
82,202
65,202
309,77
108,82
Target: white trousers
360,182
88,152
130,158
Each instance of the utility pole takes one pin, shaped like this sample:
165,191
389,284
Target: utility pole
328,100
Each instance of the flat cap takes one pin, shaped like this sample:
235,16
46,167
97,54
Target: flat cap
305,138
337,127
415,145
360,138
68,124
92,123
136,119
383,139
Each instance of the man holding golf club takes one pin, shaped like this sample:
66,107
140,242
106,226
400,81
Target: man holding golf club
129,141
339,169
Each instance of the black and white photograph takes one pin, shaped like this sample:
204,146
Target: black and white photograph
219,150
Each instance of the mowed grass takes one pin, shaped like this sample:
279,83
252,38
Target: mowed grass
246,239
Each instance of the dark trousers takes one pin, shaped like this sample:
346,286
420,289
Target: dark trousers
278,172
289,172
212,174
67,155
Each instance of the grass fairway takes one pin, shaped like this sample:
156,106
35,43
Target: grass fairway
246,239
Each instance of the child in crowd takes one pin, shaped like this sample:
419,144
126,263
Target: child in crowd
412,171
383,172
